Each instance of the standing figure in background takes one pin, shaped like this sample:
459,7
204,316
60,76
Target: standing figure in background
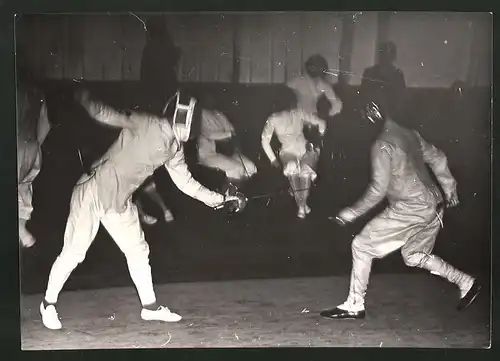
145,143
217,148
298,156
32,128
160,58
384,78
414,216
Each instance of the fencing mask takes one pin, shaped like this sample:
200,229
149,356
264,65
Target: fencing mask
180,109
373,113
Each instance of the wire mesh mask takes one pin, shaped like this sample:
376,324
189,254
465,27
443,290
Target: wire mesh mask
373,113
180,109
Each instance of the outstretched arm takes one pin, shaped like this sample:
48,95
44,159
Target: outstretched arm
103,113
439,164
332,98
377,190
183,179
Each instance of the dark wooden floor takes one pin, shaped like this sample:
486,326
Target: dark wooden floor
412,310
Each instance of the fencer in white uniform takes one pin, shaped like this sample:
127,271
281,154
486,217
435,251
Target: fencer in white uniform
298,157
145,143
32,128
413,218
215,127
314,83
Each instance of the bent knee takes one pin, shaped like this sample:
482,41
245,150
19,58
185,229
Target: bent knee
362,248
73,257
356,244
357,247
414,259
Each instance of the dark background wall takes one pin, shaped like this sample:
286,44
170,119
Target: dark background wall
435,48
245,59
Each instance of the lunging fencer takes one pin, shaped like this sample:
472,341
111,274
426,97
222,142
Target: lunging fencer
217,148
145,143
298,156
413,218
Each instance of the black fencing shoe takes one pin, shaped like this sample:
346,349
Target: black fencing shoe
469,297
338,313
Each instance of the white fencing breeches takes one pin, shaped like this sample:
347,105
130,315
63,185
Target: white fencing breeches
415,234
25,189
235,167
83,223
300,173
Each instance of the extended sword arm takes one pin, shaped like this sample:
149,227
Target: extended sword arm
381,177
183,179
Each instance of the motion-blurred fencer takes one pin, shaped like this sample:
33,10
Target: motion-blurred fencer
414,215
32,128
217,148
313,84
298,159
145,143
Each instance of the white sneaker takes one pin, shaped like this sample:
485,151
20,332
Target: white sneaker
307,209
50,318
161,314
301,213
